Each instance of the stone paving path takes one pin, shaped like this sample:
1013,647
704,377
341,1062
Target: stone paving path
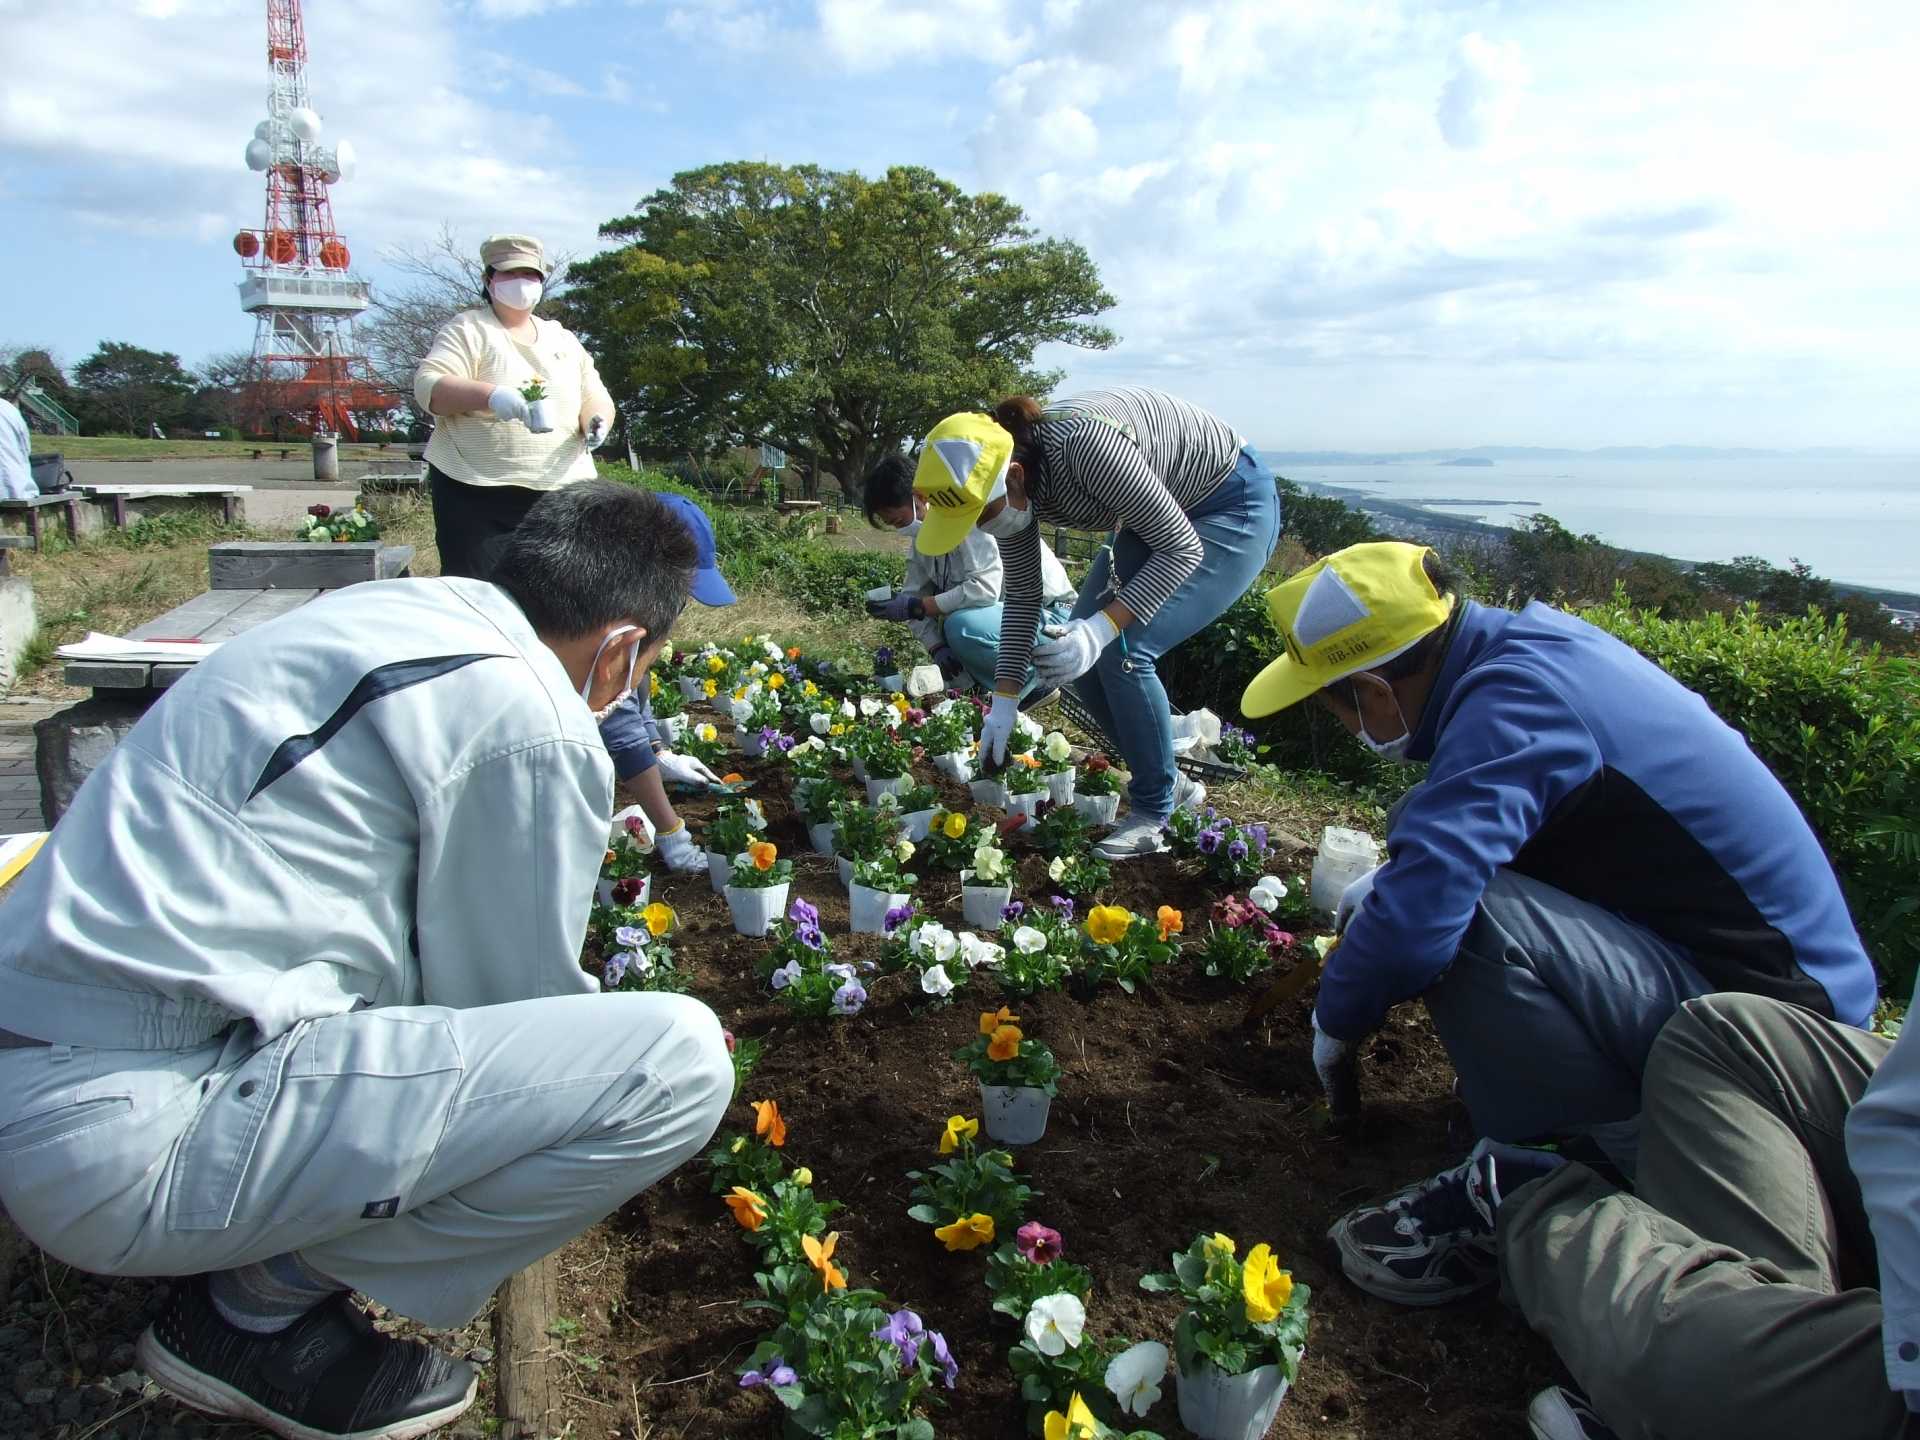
19,789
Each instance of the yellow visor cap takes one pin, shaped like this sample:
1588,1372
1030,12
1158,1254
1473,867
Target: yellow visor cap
963,464
1357,608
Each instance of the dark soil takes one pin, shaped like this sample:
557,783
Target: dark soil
1172,1119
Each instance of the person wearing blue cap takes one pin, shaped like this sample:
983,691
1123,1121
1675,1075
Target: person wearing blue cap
642,762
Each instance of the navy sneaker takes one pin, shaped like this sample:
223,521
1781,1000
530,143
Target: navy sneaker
328,1376
1433,1243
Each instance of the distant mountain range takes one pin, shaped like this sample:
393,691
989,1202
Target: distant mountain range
1495,453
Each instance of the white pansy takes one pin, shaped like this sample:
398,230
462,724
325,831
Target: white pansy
1134,1376
756,816
1057,868
774,652
943,707
892,718
820,722
986,955
870,707
1057,748
1267,892
847,712
903,852
1029,941
936,982
742,711
1055,1323
927,940
1030,727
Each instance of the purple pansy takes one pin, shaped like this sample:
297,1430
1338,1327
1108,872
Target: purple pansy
783,742
810,936
1257,837
614,971
774,1371
630,936
896,917
840,970
943,1357
906,1331
1012,910
1208,842
848,999
1236,850
1063,905
786,975
801,913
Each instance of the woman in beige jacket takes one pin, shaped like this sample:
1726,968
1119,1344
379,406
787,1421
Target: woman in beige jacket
485,463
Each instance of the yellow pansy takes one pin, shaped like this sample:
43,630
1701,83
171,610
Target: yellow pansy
959,1128
1107,923
775,682
809,688
708,733
1266,1286
954,826
1077,1424
803,1177
710,688
969,1232
1221,1245
659,918
715,664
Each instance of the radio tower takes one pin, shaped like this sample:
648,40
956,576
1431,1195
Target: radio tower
296,285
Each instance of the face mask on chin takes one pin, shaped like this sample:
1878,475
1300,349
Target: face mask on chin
1007,524
633,660
910,529
517,292
1392,750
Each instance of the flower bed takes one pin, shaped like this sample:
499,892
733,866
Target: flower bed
1171,1120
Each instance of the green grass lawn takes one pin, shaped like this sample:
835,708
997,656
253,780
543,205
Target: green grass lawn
126,447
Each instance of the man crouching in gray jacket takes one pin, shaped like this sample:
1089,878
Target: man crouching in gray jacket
292,1001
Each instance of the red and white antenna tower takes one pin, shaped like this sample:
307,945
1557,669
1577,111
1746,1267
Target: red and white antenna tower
296,284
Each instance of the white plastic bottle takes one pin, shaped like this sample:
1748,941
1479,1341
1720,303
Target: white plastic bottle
1345,855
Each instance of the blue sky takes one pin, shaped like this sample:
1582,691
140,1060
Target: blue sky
1364,224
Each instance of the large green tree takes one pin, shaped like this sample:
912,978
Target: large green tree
124,388
823,312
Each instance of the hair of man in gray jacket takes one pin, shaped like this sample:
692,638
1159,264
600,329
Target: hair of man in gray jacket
596,554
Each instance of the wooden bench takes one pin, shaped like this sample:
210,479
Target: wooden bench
65,502
232,498
9,542
253,581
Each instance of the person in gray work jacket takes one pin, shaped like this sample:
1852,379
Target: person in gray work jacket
1591,847
292,1000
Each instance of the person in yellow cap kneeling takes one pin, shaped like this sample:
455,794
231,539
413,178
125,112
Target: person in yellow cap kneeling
1591,848
1195,516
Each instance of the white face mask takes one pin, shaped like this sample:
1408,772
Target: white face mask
1008,523
517,292
633,660
1394,750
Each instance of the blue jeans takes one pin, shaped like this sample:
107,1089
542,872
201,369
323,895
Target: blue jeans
1239,524
974,636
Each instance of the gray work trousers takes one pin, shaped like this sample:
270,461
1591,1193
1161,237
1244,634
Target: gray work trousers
419,1155
1734,1294
1550,1010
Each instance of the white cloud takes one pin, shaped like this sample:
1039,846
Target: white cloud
518,9
872,34
1483,92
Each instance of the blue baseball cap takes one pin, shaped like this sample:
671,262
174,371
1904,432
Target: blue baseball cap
709,585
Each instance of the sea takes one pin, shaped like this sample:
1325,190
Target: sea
1853,520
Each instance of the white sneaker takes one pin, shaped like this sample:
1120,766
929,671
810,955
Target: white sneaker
1136,836
1562,1414
1188,793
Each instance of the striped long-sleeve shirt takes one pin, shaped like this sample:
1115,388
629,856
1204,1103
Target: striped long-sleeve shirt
1129,459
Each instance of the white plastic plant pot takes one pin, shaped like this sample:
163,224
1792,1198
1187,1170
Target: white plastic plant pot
754,909
821,837
892,684
751,745
892,785
1027,805
845,867
1014,1114
1344,856
880,594
925,680
1230,1407
1097,809
540,416
603,891
990,793
956,765
671,727
982,904
693,687
719,870
1060,787
859,768
868,908
917,824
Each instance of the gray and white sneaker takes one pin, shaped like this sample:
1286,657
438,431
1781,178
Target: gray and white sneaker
1563,1414
1433,1242
1188,793
1137,835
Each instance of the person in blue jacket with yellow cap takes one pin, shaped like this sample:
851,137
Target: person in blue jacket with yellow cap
1194,516
1591,848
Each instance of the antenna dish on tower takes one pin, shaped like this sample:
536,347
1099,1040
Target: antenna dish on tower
339,164
305,124
264,130
259,154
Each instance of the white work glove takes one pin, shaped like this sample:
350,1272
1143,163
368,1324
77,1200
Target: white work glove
508,404
1352,898
995,730
1338,1067
684,769
1073,649
678,850
596,432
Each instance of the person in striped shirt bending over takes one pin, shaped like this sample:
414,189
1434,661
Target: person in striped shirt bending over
1194,514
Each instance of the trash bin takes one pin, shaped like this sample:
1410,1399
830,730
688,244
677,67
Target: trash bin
326,458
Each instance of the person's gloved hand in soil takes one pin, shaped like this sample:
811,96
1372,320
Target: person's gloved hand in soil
678,850
1337,1063
901,607
684,769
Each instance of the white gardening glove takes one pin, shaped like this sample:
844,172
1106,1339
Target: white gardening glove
1338,1067
508,404
678,850
1352,898
684,769
995,730
1073,649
